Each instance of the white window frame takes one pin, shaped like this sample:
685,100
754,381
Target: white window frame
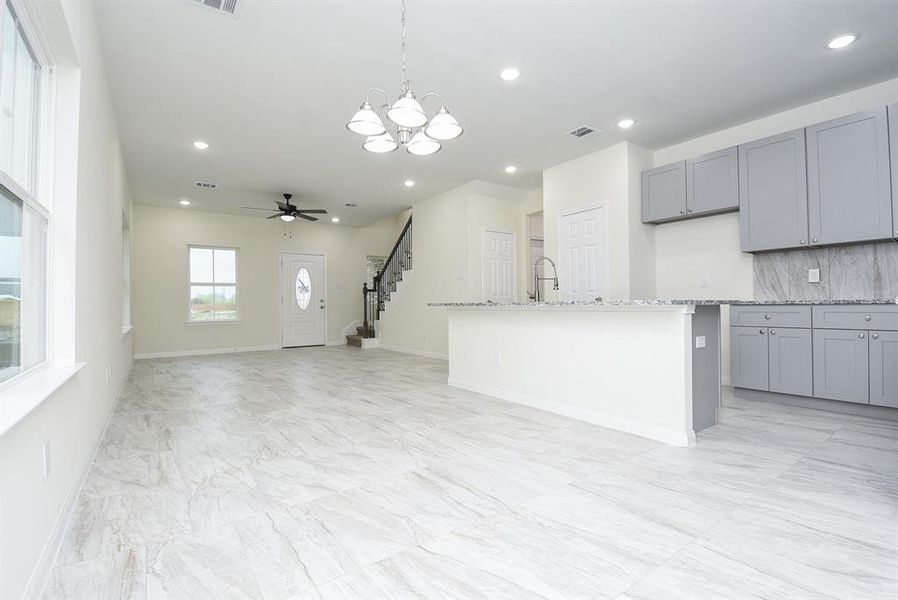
42,178
212,284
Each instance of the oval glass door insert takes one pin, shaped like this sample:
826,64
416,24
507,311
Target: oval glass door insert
303,288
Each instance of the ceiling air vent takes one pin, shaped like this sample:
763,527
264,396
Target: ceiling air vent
225,6
580,132
205,185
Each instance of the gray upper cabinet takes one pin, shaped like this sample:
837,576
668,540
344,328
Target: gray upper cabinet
773,209
749,357
893,141
849,187
840,365
712,182
884,368
664,193
791,371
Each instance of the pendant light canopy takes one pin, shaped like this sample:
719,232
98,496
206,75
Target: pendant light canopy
420,134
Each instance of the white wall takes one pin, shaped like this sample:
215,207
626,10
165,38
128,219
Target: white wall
608,178
447,261
161,237
90,194
701,258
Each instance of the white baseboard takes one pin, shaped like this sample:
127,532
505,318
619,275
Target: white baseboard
661,434
203,352
34,589
403,350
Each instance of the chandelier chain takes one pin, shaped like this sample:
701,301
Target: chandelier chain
404,81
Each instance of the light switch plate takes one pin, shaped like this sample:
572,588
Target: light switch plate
813,275
699,341
704,281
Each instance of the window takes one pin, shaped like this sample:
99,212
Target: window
23,219
213,284
23,286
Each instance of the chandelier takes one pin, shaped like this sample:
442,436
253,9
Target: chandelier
421,135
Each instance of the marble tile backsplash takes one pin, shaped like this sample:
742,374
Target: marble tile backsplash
846,273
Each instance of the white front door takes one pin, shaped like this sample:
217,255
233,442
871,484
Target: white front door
498,266
582,255
303,300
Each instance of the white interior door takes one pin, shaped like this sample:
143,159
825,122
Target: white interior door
537,250
498,266
303,300
582,254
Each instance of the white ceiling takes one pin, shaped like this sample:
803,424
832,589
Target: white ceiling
272,88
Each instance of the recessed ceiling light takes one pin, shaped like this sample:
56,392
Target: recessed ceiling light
626,123
409,183
509,74
184,202
335,219
841,41
199,145
510,169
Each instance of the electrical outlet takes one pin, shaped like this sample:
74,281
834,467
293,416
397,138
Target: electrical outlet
704,281
813,275
699,341
108,373
46,456
498,359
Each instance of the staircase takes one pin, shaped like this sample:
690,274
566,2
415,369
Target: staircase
376,300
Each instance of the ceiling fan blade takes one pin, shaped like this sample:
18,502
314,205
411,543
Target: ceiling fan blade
274,216
312,211
306,217
254,208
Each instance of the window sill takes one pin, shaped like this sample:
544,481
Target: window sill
221,322
23,396
127,329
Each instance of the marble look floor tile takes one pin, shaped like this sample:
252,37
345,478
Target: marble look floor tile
119,574
124,475
207,566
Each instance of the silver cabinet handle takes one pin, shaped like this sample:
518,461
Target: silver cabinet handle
802,242
861,335
682,212
815,240
867,317
761,331
773,332
875,336
767,317
688,210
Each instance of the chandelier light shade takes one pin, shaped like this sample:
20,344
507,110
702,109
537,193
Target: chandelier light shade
380,144
443,126
422,145
366,122
287,218
408,122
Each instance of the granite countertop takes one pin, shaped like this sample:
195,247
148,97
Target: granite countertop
658,302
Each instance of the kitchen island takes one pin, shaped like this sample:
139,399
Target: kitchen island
648,367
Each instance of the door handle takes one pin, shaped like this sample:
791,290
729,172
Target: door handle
773,332
875,336
861,336
761,331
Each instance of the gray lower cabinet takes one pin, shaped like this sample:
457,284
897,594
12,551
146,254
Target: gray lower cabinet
849,187
664,193
773,210
791,357
749,357
893,141
712,182
884,368
841,359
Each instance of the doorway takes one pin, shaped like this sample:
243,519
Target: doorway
303,300
498,265
582,254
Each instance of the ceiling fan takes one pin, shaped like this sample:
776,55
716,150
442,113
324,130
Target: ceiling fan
287,212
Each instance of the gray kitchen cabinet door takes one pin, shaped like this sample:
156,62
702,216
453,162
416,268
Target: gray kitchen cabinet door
849,187
773,198
749,357
664,193
841,359
791,357
893,142
712,182
884,368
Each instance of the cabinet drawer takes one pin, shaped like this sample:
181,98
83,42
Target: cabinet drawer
883,317
771,316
